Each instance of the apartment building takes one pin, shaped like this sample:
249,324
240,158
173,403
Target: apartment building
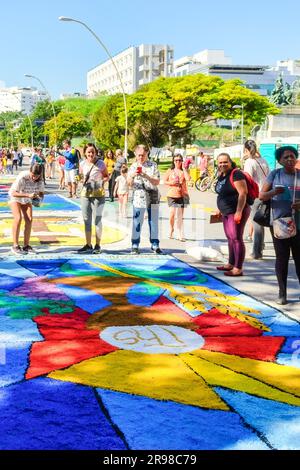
259,78
20,99
134,67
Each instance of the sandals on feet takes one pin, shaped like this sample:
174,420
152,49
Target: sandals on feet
233,274
224,268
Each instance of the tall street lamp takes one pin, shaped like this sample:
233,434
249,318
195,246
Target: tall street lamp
51,102
65,18
241,107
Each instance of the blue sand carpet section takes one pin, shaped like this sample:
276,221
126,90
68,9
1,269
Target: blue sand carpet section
46,414
180,427
85,299
52,202
15,268
292,360
13,366
78,267
12,331
144,295
10,282
41,267
278,422
284,326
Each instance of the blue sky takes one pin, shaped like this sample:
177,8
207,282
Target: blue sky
35,42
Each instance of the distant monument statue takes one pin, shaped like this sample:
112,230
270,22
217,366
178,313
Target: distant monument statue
288,94
296,92
278,96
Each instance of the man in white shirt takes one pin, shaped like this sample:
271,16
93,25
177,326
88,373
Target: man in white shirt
144,177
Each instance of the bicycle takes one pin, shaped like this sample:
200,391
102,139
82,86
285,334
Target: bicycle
205,182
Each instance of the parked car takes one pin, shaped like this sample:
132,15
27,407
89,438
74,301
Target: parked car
26,151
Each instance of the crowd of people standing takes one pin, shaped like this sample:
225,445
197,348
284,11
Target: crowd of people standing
235,207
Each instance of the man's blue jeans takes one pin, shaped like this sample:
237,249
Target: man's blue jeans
138,219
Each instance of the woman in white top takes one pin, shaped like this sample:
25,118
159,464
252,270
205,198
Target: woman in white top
26,190
122,190
258,168
94,173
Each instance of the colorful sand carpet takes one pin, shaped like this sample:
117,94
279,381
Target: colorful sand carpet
52,202
58,231
114,353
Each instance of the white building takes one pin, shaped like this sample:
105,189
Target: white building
188,65
259,78
137,66
20,99
289,65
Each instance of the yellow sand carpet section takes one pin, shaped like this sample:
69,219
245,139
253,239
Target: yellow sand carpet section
57,232
158,376
283,377
216,375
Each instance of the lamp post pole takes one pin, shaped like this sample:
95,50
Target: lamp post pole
242,128
241,107
64,18
51,103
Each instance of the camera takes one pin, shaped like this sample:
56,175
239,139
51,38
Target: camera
36,201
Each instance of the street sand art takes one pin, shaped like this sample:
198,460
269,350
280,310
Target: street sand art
55,231
57,222
52,202
146,353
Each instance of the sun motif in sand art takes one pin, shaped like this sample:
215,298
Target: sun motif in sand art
159,330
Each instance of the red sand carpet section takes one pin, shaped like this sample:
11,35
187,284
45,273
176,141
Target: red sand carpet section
107,353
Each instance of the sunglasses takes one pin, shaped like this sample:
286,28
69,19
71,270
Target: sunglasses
178,160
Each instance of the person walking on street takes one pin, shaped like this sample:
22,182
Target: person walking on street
71,167
94,173
39,158
144,177
282,187
258,168
203,164
121,190
176,178
234,211
110,161
15,159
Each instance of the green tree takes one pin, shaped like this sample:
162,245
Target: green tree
169,107
109,123
67,125
42,112
8,134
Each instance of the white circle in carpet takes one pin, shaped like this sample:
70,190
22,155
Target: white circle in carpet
153,339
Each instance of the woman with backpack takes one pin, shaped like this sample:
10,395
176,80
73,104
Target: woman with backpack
234,210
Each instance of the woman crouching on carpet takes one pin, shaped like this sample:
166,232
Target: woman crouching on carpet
234,211
26,190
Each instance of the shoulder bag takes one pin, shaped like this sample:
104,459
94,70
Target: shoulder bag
262,215
285,227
